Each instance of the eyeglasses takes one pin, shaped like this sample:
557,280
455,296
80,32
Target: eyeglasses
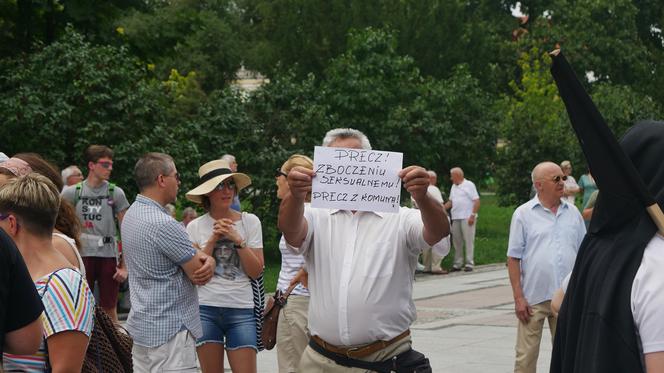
229,185
105,164
3,216
278,173
557,178
175,175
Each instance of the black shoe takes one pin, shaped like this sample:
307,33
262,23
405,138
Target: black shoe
455,269
468,269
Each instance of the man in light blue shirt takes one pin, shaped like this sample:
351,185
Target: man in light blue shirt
545,235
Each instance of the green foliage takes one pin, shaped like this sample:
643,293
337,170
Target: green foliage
535,128
372,88
437,34
72,94
621,106
188,35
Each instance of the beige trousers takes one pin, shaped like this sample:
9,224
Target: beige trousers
176,355
313,362
463,235
528,337
292,333
431,260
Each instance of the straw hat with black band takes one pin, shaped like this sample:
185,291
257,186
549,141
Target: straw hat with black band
212,174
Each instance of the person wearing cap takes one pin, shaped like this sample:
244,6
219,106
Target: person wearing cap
361,266
164,268
571,187
235,240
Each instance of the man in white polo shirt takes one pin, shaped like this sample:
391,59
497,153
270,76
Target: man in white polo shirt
464,202
361,267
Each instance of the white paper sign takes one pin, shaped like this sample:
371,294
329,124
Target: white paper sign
356,179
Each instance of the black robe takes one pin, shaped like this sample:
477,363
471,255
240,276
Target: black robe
596,331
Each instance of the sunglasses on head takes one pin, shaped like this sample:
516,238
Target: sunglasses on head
228,184
278,173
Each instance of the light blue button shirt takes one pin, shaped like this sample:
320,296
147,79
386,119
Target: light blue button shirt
163,299
547,245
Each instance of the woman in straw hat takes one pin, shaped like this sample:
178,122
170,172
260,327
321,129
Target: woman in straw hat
235,240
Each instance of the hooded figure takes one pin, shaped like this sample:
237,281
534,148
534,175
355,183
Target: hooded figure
596,328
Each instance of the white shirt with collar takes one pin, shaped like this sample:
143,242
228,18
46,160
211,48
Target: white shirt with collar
361,273
463,197
547,244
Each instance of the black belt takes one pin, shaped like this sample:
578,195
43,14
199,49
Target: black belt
410,361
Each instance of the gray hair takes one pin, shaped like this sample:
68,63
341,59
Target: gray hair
228,158
345,133
188,211
150,166
432,173
457,170
67,172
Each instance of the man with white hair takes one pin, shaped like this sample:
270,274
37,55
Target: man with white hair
233,165
464,202
71,175
545,235
361,266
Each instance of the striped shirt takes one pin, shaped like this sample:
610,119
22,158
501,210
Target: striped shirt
290,264
69,306
163,299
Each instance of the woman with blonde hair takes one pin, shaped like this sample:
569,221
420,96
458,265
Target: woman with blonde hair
67,232
292,332
28,209
235,240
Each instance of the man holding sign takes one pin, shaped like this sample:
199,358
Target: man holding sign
360,263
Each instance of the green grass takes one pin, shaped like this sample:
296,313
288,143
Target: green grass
493,227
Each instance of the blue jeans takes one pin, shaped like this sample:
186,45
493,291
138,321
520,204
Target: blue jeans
233,327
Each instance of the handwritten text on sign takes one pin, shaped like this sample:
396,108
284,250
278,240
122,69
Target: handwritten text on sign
356,179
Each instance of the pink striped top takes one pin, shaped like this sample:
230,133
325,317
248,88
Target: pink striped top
69,306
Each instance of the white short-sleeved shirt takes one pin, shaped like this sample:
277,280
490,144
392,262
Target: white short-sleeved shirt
647,300
546,244
230,286
570,183
361,273
462,197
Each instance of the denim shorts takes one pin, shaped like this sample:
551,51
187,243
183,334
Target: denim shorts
233,327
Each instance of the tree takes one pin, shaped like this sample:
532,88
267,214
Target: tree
188,35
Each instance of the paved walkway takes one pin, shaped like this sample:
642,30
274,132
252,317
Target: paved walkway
465,323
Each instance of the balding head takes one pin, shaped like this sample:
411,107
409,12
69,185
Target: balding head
544,177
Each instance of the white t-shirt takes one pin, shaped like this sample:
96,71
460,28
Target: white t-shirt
648,297
462,197
230,286
570,183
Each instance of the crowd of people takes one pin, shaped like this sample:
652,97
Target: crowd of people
196,285
192,284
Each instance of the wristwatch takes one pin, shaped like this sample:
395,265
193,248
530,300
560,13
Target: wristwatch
241,245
